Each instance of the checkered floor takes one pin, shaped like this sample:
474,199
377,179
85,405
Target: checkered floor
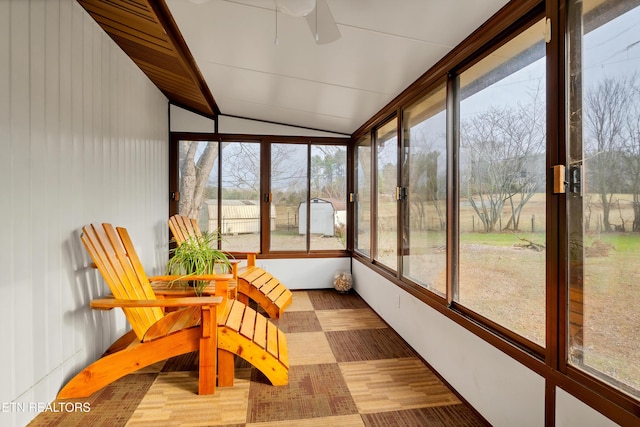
347,368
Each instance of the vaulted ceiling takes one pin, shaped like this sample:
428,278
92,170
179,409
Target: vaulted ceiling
221,56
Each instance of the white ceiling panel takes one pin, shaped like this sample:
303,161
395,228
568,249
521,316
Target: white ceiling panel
336,87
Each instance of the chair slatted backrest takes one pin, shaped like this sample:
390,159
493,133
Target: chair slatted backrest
183,227
117,261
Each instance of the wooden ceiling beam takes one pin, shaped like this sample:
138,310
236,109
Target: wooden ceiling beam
147,33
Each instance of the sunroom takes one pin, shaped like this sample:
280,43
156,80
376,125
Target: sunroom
474,166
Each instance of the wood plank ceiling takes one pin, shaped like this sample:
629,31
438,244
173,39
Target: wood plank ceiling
145,30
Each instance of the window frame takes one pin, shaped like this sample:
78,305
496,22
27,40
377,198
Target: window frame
619,404
549,361
265,142
518,28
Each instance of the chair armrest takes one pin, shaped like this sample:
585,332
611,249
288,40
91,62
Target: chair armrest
251,257
108,303
177,277
243,254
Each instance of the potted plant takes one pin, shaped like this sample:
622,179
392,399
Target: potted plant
198,255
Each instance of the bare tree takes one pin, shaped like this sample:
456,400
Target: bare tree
632,149
194,174
427,179
502,148
529,128
606,107
241,169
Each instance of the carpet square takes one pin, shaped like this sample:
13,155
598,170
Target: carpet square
300,302
394,384
330,299
313,391
172,400
298,321
340,420
190,362
368,344
111,406
311,348
445,416
349,319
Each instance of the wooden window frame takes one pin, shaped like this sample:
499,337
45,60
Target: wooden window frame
265,142
548,361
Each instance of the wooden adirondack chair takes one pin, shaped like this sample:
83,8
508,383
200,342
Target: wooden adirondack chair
253,282
155,336
216,326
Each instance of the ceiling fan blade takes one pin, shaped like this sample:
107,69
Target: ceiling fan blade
327,30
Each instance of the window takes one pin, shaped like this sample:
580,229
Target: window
240,222
386,212
198,182
500,267
424,238
328,204
502,168
305,179
289,184
604,210
363,196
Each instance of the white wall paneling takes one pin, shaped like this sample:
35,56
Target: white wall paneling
181,120
572,412
228,124
306,273
83,136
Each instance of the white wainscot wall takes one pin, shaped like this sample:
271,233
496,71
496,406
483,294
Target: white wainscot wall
571,412
305,273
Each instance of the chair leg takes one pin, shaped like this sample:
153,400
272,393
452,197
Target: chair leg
208,350
114,366
226,361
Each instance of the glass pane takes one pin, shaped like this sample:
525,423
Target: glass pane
425,175
502,186
198,175
289,196
240,224
604,213
363,196
386,212
328,208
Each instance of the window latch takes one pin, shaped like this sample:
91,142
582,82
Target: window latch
572,179
402,193
575,179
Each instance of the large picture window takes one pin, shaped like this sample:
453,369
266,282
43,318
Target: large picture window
198,182
220,181
240,181
328,202
289,196
362,197
502,170
604,210
386,212
424,169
